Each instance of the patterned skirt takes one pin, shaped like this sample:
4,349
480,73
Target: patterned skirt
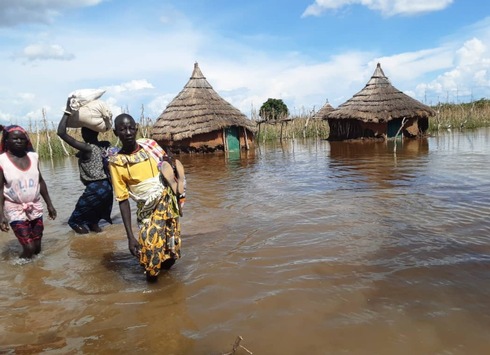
94,204
159,235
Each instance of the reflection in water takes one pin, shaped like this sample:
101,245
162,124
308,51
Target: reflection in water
304,247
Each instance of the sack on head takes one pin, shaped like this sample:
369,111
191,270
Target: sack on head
82,97
94,115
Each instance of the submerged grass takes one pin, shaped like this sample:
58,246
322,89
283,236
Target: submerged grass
298,127
471,115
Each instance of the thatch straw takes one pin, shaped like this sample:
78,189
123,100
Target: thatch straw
197,109
379,102
320,115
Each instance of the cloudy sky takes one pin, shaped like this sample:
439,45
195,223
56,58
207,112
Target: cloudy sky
305,52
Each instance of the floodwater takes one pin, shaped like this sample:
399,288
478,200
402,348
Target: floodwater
306,247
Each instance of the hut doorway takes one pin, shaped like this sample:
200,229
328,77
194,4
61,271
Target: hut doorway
232,139
393,127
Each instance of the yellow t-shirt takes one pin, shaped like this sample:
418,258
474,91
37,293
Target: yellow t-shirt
129,170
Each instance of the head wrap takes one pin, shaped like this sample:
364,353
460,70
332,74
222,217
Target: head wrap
6,130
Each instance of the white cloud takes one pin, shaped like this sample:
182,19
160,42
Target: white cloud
468,79
471,53
148,68
156,106
386,7
133,85
16,12
409,67
40,51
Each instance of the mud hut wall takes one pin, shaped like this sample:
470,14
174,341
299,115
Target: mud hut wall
353,129
243,139
214,139
210,139
411,128
168,144
374,129
344,129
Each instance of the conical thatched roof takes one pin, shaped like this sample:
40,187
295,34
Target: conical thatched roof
379,101
197,109
323,111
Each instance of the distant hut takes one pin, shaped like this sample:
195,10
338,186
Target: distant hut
199,120
379,110
321,113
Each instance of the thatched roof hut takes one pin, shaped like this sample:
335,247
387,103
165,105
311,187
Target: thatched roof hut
198,119
322,112
379,110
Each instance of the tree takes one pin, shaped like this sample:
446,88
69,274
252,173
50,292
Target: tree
273,109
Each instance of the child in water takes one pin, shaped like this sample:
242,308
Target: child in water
21,188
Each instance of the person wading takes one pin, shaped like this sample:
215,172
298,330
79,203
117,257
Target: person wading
140,171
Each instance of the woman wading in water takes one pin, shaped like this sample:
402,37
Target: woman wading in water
141,171
96,201
21,189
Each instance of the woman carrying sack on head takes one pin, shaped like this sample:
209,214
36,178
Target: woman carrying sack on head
95,204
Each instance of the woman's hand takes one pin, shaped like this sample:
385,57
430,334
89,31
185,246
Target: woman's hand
52,212
134,247
4,226
68,106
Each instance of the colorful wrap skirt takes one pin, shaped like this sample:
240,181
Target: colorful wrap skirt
28,231
94,205
159,235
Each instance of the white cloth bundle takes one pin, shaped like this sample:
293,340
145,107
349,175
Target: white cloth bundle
82,97
89,111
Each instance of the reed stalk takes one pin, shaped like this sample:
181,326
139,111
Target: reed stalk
471,115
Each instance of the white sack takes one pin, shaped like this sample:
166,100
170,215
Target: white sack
82,97
95,115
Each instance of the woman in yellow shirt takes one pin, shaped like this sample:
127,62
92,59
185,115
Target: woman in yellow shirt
136,173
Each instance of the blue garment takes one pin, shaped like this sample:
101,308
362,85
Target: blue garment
94,205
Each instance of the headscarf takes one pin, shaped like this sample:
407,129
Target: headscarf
6,130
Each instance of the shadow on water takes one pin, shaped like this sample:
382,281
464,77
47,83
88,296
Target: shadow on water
118,263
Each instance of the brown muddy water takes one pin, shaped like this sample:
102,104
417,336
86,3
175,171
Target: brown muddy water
306,247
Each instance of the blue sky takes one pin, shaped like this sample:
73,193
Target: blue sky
304,52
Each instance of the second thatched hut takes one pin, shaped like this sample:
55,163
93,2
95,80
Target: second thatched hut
199,120
322,112
379,111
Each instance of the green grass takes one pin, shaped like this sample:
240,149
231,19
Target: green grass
297,127
471,115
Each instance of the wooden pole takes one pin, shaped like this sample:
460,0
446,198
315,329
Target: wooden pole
45,122
258,133
306,126
246,138
61,140
38,137
404,122
225,146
